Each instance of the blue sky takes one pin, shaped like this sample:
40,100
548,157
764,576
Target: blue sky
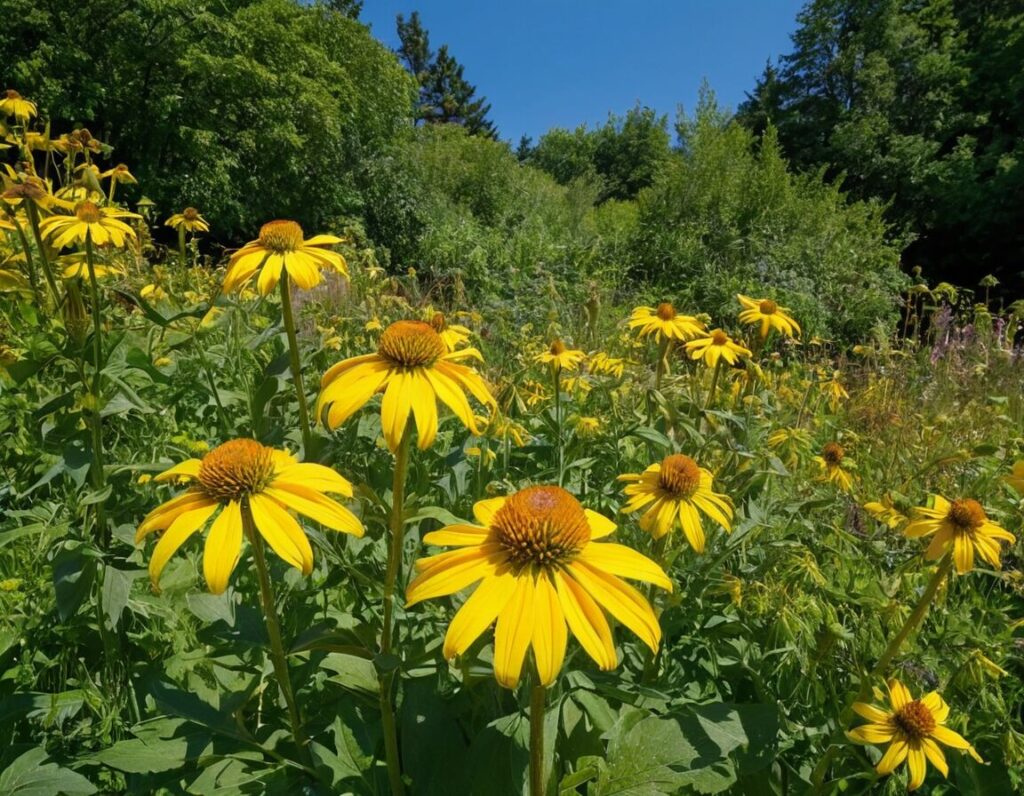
565,62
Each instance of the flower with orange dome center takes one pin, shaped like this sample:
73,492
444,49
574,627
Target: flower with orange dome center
188,219
542,571
13,104
675,491
768,315
413,369
120,174
913,728
963,523
102,224
561,358
716,347
831,463
243,474
452,334
665,323
1016,477
282,246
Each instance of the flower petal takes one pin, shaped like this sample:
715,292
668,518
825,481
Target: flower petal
484,605
223,548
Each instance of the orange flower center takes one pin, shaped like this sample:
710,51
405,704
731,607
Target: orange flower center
411,344
236,469
88,213
557,347
26,190
13,95
541,526
666,311
833,454
281,237
915,720
190,214
438,322
768,307
966,514
718,337
679,475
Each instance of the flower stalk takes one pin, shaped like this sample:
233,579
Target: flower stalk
538,697
557,383
296,364
96,419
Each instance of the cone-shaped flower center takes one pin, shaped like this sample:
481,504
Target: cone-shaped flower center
541,526
26,190
280,236
121,168
13,95
679,475
768,307
718,337
88,212
915,719
411,344
666,311
966,514
190,214
235,469
438,322
557,347
833,454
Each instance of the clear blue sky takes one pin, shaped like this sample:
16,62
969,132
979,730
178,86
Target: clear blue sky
565,62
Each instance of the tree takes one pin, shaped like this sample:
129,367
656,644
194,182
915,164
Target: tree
445,96
920,104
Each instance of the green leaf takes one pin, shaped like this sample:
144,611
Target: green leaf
73,573
145,757
32,774
117,585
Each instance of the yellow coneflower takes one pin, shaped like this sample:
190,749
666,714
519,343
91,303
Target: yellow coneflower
885,511
587,426
13,104
413,368
791,443
675,491
913,728
541,570
768,315
21,188
831,463
963,523
189,220
561,358
664,323
243,475
281,246
373,325
102,225
76,266
602,364
452,334
1016,477
153,292
119,174
716,346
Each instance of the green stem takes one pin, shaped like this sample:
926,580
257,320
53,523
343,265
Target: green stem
653,663
31,263
181,248
96,419
555,377
113,188
661,368
296,364
538,696
277,655
51,281
391,577
714,384
915,619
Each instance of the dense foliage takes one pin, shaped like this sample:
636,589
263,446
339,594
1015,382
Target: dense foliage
918,103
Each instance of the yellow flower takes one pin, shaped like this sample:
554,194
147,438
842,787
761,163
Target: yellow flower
281,246
769,315
76,266
560,357
791,443
452,334
587,426
414,370
885,511
269,483
913,728
831,463
100,224
601,363
145,478
188,219
962,522
835,391
373,325
534,393
663,322
540,570
489,456
120,174
13,104
153,293
676,488
1016,477
717,345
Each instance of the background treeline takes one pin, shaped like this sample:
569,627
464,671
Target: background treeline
257,110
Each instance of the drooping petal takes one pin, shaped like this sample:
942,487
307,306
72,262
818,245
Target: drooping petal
600,526
185,470
395,408
484,605
448,573
457,536
949,737
513,633
586,621
164,514
223,548
872,733
625,562
871,713
282,532
916,764
316,506
621,600
184,525
549,633
314,476
894,755
935,755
